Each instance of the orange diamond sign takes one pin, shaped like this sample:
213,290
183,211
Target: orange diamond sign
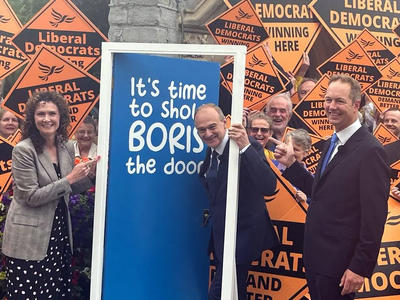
66,30
48,71
10,57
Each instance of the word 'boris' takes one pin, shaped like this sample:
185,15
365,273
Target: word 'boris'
140,136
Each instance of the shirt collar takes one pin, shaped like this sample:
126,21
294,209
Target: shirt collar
221,147
346,133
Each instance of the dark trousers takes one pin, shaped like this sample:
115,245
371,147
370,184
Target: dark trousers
241,277
323,287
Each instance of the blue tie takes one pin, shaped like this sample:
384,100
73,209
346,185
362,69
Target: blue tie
211,177
334,139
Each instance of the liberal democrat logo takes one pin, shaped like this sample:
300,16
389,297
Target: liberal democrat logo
59,18
323,91
367,43
4,19
384,139
394,220
353,55
393,73
243,15
256,62
48,71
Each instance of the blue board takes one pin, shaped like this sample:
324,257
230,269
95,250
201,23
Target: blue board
155,247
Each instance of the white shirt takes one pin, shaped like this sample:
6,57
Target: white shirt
344,135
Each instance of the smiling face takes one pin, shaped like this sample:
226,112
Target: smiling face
210,127
391,120
260,130
47,119
339,108
85,135
8,124
278,111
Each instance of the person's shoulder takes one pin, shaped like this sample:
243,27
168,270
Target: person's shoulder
24,144
392,145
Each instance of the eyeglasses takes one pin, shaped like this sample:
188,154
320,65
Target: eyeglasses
82,132
256,129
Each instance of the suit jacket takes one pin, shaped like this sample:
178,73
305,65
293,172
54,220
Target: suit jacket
37,191
347,214
255,231
393,151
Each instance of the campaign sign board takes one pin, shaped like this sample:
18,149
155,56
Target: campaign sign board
240,25
384,135
384,284
353,61
279,273
311,109
385,93
10,57
66,30
262,79
379,53
5,164
291,26
49,71
345,19
154,236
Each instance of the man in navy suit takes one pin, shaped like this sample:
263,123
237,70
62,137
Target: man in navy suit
255,231
349,193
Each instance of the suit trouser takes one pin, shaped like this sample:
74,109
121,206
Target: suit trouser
322,287
241,276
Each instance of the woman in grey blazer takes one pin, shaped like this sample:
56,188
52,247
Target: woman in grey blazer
37,236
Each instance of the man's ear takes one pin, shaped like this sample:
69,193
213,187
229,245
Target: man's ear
357,104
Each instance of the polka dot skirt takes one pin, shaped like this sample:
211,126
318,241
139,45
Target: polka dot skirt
49,278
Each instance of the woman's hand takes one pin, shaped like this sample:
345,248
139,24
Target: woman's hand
82,170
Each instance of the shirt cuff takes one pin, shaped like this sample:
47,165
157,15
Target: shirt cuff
244,149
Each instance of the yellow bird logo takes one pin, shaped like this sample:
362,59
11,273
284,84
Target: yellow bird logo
243,15
256,62
48,71
59,18
353,55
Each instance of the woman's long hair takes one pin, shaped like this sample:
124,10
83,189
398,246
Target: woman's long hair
29,129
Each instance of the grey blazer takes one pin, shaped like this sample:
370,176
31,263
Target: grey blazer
37,190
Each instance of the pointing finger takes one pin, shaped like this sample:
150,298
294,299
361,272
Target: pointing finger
275,141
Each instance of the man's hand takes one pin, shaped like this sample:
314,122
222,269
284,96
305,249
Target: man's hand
301,197
284,153
239,135
351,282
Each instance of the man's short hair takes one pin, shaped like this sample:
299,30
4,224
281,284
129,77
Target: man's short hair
284,96
211,105
307,79
355,88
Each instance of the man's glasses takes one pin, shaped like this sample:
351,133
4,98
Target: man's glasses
256,129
